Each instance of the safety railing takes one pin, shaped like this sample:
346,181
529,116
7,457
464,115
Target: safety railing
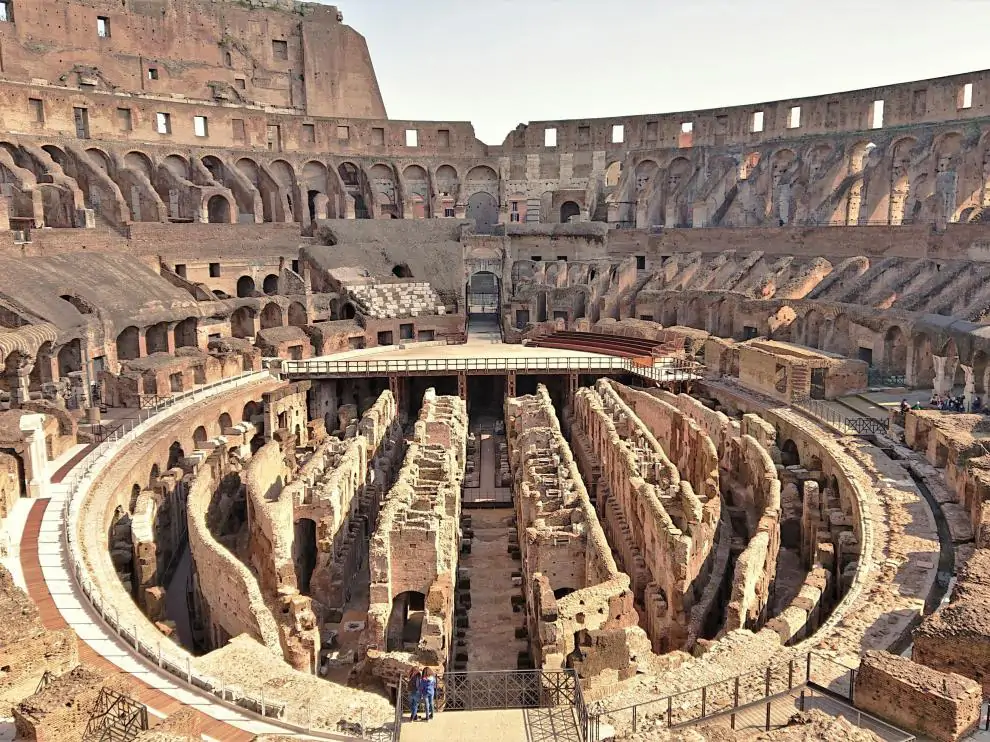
151,645
746,693
662,370
825,412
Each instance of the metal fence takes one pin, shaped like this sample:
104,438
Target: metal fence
824,411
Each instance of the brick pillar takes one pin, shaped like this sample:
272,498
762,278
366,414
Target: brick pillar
395,386
462,386
510,384
143,343
170,338
572,387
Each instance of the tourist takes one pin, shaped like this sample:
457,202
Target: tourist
936,401
415,680
904,406
428,690
977,404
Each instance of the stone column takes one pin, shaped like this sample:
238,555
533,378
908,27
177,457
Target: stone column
510,384
970,389
462,386
35,455
941,384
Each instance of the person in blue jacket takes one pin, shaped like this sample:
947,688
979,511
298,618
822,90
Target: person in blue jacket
428,690
415,680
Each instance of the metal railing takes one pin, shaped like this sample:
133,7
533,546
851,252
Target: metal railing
825,412
732,696
663,370
151,645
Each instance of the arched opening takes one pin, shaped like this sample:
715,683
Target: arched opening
245,287
153,476
128,347
225,423
81,305
270,284
297,315
250,411
156,338
813,323
69,358
347,311
199,436
613,173
215,168
895,351
562,592
402,271
569,209
304,553
185,333
175,455
789,453
218,210
242,322
271,316
312,198
349,174
483,301
405,623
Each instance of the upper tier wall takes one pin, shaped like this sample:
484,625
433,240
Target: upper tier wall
286,55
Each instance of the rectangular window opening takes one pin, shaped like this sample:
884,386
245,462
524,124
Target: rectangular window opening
214,270
584,134
6,12
152,73
309,133
280,49
240,83
37,107
343,132
443,138
687,127
103,27
238,131
378,135
163,123
180,269
200,126
641,262
966,96
124,119
618,133
550,137
876,115
794,118
652,131
412,138
757,122
536,258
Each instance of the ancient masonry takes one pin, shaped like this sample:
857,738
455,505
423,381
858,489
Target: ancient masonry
414,549
693,365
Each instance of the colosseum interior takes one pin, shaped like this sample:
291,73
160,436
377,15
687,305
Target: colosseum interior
656,427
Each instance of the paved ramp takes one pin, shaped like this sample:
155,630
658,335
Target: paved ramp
513,725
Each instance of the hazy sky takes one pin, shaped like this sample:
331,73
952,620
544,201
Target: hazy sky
498,63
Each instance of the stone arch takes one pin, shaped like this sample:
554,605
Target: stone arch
347,311
270,285
447,180
177,165
316,184
175,455
249,168
402,270
895,349
383,183
900,178
251,410
215,167
814,323
224,423
417,190
483,178
185,333
242,322
697,314
128,344
200,436
644,173
137,160
271,316
298,316
70,358
82,306
349,173
219,209
613,174
840,338
569,209
283,173
41,371
245,287
99,158
156,338
789,455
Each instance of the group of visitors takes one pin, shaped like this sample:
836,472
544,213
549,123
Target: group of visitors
946,404
422,687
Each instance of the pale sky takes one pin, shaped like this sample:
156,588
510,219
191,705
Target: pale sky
498,63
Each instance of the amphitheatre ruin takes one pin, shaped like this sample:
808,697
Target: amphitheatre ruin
630,428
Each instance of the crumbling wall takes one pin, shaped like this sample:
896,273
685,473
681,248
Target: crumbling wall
666,535
271,521
584,618
229,590
413,554
942,706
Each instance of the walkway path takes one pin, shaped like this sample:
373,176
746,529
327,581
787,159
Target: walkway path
513,725
49,582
